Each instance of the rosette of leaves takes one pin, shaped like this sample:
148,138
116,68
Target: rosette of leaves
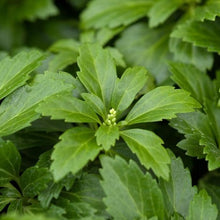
103,108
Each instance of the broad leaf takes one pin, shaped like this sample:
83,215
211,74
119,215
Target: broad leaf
27,98
10,161
127,87
147,47
72,153
34,180
67,107
135,196
194,81
14,72
201,208
188,53
97,71
161,103
161,10
149,150
113,13
196,32
106,136
178,191
14,216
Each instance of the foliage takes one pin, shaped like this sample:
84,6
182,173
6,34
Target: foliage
109,110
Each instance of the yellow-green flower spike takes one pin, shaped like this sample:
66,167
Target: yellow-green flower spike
111,118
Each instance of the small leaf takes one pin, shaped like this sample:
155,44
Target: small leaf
201,208
178,191
67,107
72,153
131,82
147,146
161,103
97,71
9,163
14,72
106,136
113,13
34,180
135,196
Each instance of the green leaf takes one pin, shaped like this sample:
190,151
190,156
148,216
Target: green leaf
97,71
34,180
147,47
161,10
67,107
201,208
131,82
14,72
106,136
208,11
95,103
161,103
149,150
117,56
135,196
187,53
178,191
27,98
194,81
9,163
13,216
196,32
72,153
113,13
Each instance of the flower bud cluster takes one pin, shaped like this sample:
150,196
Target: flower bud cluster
111,118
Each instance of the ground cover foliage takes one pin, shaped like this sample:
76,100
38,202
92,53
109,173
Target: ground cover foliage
109,110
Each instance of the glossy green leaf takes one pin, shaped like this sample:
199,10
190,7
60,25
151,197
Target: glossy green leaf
161,10
34,180
113,13
67,107
147,47
73,152
149,150
161,103
106,136
203,34
178,191
14,72
127,87
201,208
97,71
10,161
27,98
135,196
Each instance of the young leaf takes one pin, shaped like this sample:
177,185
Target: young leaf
9,163
161,10
106,136
76,148
131,82
147,146
178,191
95,103
113,13
147,47
196,32
188,53
161,103
67,107
135,196
34,180
27,98
15,71
198,84
201,208
97,71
